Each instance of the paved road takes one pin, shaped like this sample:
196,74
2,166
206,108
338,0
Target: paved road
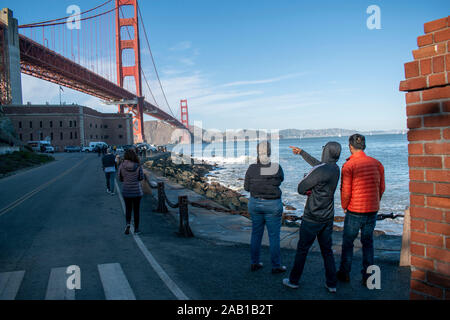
72,221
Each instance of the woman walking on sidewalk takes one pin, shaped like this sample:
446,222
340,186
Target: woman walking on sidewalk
131,175
263,181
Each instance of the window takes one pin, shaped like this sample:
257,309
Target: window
61,135
120,126
31,137
95,126
75,124
91,136
105,126
76,135
20,137
40,124
51,136
41,136
71,136
90,125
96,136
51,124
31,124
120,136
70,124
106,137
20,124
60,124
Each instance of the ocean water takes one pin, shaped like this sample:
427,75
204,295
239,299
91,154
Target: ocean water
392,150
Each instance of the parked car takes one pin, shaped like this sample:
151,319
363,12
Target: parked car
87,149
71,149
49,149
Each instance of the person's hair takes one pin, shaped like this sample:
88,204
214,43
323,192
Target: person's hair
264,152
131,155
357,141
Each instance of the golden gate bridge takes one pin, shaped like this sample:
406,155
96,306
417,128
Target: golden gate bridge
79,53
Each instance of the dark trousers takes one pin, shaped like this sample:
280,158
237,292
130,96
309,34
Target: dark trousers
132,205
352,224
309,231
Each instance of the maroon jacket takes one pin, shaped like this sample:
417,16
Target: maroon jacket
131,174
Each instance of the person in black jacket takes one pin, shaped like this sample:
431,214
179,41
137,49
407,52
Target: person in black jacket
318,218
263,181
110,168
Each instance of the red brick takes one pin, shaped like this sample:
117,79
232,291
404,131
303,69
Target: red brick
427,289
442,189
425,134
412,69
442,120
447,243
447,162
416,296
436,93
438,254
416,200
446,134
446,106
447,216
438,64
413,84
421,187
423,108
442,35
437,202
415,148
437,148
417,249
412,97
422,263
414,123
425,162
437,175
425,40
418,225
447,62
435,25
417,175
428,239
438,227
426,213
425,66
442,268
436,80
438,279
425,52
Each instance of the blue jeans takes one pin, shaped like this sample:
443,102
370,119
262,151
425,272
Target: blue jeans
266,213
352,224
110,180
309,231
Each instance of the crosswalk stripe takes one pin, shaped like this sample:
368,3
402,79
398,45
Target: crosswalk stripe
57,286
9,284
115,283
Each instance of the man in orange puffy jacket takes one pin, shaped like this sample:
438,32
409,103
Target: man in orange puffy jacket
362,186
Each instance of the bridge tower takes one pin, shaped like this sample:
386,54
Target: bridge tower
130,71
10,74
184,113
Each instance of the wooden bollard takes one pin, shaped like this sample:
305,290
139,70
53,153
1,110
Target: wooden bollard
162,208
185,229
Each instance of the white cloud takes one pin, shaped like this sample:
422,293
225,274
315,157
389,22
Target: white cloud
181,46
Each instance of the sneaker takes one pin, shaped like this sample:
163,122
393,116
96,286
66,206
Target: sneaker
256,266
107,191
281,269
331,289
127,230
113,193
343,276
289,284
137,232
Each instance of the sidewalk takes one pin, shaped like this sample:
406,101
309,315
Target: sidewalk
223,227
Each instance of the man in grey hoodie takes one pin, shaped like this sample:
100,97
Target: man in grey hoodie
318,218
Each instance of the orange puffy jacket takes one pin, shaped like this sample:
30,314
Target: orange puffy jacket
362,184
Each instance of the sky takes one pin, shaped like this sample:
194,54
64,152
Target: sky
266,64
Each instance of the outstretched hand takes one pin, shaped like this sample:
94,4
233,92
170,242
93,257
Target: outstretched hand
296,150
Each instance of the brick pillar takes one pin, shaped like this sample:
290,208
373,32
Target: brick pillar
428,110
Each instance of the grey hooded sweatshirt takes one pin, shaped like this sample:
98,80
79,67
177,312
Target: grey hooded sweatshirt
131,174
321,183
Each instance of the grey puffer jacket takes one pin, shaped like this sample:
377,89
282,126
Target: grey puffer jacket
131,175
320,184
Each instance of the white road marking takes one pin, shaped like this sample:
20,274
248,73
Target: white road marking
57,286
179,294
114,282
9,284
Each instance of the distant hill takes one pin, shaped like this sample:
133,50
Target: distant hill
160,133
